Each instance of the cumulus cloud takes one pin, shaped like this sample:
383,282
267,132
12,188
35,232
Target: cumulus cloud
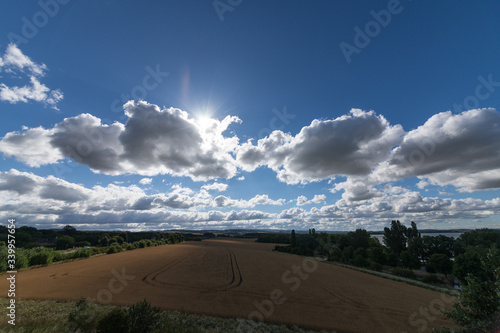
146,181
215,187
14,62
260,199
349,145
153,141
318,198
450,149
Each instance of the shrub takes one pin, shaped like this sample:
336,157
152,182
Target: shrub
404,272
114,249
360,261
143,318
82,253
375,266
21,259
40,256
130,246
58,256
431,278
116,321
84,317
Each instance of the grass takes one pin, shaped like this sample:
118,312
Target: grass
52,317
392,277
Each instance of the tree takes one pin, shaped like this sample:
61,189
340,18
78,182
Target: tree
409,260
441,263
293,239
335,254
64,242
69,230
395,238
377,255
465,263
359,239
478,308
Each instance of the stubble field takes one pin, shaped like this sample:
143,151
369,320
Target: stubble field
241,278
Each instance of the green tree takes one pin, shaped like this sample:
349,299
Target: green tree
409,260
478,308
441,263
377,255
465,263
395,238
69,230
293,239
335,254
64,242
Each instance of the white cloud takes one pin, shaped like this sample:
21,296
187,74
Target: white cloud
146,181
153,141
349,145
215,187
318,199
15,61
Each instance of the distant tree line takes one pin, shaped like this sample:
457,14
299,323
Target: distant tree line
43,247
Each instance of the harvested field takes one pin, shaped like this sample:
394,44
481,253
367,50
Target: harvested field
240,278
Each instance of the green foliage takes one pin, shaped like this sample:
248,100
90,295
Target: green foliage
130,246
274,237
64,242
115,248
375,266
377,255
395,237
359,239
22,260
404,272
409,260
441,263
465,263
115,321
432,279
40,256
360,261
335,254
84,317
478,309
142,318
348,254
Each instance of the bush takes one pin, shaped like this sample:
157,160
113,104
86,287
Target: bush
360,261
375,266
404,272
143,318
84,317
115,248
82,253
130,246
116,321
21,259
40,256
431,278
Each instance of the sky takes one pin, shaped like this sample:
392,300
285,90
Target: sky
235,114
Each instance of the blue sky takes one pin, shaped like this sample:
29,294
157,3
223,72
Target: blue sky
236,114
